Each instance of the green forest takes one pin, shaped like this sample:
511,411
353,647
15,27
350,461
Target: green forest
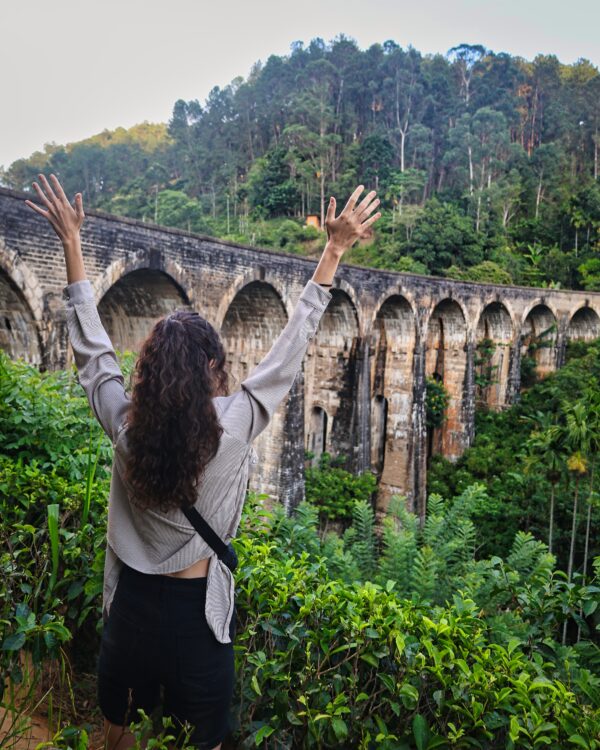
486,163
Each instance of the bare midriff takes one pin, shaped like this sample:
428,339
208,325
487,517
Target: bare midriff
198,570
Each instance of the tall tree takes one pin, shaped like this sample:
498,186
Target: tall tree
545,452
577,437
465,58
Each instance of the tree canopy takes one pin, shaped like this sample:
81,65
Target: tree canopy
479,157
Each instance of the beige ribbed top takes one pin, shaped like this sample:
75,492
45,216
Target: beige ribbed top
155,542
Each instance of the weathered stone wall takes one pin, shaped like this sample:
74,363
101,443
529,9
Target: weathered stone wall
494,333
392,344
253,321
361,391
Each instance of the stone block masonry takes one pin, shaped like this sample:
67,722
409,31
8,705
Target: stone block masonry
361,391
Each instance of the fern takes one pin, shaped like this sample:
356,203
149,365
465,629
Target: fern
349,536
397,510
425,574
365,541
435,531
398,557
340,562
464,506
466,538
436,505
524,553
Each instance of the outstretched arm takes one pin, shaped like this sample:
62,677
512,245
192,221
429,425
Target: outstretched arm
97,366
247,412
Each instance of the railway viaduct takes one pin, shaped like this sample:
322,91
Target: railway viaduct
361,391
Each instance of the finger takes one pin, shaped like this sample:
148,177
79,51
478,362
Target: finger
330,210
37,208
352,199
368,210
78,205
365,202
59,188
42,195
370,221
49,190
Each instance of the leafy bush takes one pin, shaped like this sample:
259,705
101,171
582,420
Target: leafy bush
44,418
436,402
485,372
322,663
486,272
334,490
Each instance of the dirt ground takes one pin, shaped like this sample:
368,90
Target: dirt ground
37,731
46,705
53,703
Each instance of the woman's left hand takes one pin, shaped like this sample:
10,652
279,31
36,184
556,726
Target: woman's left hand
66,219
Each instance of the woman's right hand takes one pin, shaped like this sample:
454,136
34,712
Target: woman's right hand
353,223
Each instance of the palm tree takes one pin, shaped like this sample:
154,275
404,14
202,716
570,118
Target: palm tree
593,407
544,451
576,437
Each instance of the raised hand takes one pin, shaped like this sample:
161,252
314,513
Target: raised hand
66,219
354,222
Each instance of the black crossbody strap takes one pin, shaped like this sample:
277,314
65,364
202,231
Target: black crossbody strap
206,531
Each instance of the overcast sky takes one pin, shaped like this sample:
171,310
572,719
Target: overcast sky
71,68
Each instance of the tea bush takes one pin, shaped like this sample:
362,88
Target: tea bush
322,663
333,490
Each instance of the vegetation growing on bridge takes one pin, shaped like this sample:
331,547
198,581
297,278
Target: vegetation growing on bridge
487,163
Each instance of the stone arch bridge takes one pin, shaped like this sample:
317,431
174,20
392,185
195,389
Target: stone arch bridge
361,391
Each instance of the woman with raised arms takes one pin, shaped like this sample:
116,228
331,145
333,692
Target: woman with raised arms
182,447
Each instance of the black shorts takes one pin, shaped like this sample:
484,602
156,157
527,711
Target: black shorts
157,635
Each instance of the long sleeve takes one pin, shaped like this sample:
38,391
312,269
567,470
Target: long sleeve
98,370
246,413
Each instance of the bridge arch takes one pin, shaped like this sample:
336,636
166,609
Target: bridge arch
583,325
241,282
539,338
494,336
331,370
446,361
255,317
132,304
316,432
21,310
393,342
346,289
118,269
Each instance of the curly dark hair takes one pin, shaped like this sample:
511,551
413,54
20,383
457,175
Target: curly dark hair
173,427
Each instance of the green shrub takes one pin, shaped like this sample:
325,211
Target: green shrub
436,402
334,490
322,663
44,417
